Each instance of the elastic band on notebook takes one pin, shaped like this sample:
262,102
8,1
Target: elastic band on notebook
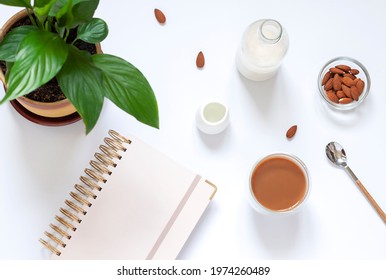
174,217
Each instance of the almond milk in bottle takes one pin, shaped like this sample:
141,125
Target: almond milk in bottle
262,49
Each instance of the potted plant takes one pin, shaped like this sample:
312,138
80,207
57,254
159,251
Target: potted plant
48,51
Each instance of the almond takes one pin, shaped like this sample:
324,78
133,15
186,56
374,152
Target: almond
337,82
329,84
348,82
354,71
200,60
352,77
346,90
360,86
354,93
332,96
160,16
345,100
335,70
345,68
340,94
326,77
291,131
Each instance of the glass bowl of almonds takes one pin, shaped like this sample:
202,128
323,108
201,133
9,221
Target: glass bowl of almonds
344,83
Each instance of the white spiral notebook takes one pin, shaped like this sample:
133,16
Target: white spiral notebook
133,202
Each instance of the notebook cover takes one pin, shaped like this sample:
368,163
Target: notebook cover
146,210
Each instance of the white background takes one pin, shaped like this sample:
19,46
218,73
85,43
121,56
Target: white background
39,165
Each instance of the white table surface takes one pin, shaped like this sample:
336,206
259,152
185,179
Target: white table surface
39,165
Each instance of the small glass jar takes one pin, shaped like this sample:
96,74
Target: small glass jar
263,46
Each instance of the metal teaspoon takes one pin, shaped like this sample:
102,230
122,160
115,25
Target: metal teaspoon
337,156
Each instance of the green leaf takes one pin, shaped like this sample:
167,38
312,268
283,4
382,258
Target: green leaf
84,10
71,13
17,3
11,42
57,6
9,66
64,15
80,81
42,3
128,88
94,31
62,11
41,55
42,8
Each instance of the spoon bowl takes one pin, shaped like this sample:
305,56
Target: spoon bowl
336,154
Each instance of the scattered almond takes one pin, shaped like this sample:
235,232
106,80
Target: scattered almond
160,16
342,84
291,131
200,60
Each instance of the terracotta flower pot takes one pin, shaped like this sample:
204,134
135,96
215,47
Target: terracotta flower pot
46,113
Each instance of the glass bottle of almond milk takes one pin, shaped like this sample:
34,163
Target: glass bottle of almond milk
262,49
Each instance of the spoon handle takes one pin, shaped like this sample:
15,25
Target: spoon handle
372,201
368,195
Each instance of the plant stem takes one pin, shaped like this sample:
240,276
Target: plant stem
31,18
49,24
66,35
73,42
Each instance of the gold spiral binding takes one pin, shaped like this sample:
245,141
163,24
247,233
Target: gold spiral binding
100,167
116,136
55,239
114,144
80,199
75,207
65,223
60,231
90,183
94,175
105,160
86,192
108,151
70,215
50,247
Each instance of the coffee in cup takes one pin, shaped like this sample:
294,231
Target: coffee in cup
279,183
